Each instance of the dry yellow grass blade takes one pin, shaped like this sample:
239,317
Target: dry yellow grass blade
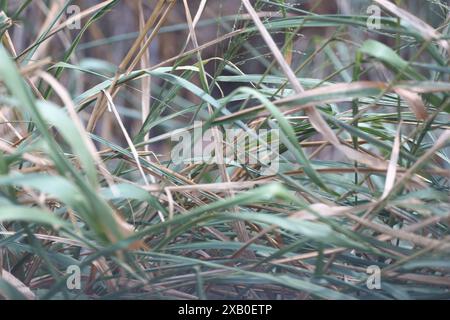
137,50
382,237
113,109
19,285
240,227
146,81
27,156
314,116
321,209
427,31
415,102
442,141
392,169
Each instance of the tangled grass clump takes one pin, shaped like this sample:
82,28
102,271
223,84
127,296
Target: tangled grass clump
90,98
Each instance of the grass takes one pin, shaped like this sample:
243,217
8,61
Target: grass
86,177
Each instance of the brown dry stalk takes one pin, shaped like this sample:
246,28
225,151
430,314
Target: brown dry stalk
127,65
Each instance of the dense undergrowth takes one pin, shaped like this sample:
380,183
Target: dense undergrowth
87,181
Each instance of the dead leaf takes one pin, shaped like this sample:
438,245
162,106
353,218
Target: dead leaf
414,101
